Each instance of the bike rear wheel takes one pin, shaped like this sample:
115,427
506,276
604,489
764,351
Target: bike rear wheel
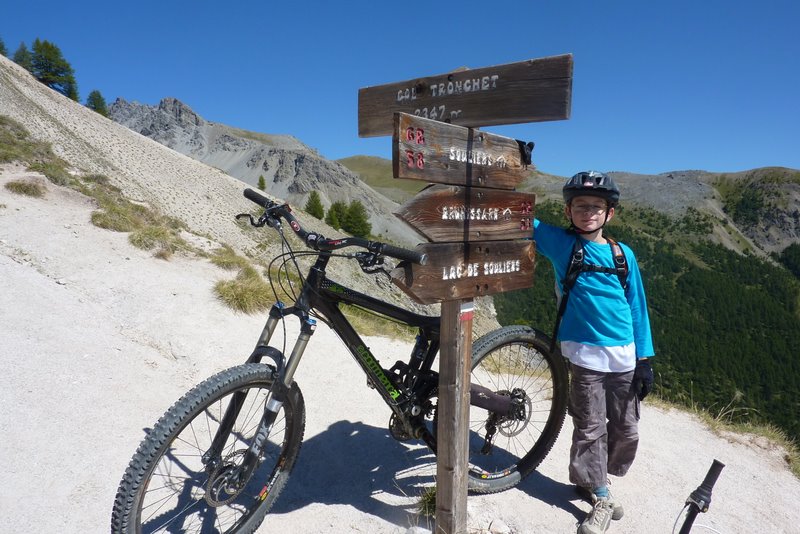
515,360
168,488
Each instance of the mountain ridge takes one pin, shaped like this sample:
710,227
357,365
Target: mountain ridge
291,169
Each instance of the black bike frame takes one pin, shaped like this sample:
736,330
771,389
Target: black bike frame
324,296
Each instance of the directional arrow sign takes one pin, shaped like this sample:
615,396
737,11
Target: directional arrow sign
451,213
528,91
424,149
465,270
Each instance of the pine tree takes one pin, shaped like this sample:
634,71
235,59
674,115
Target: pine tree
356,221
50,68
3,49
336,214
23,58
261,183
314,205
96,102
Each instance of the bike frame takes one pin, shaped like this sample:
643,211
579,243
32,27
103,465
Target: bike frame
324,296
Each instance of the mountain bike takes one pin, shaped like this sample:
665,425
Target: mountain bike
217,460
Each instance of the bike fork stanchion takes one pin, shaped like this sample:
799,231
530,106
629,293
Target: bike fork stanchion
455,362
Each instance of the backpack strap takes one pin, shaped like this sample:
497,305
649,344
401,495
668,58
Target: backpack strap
620,263
573,270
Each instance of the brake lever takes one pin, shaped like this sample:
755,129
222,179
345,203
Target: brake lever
262,221
371,263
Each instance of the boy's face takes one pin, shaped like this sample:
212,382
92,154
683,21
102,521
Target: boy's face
588,212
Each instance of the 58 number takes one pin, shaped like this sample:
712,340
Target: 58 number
415,159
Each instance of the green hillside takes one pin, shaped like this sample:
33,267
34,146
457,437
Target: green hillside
377,173
725,325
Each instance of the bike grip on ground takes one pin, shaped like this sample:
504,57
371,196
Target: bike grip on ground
258,198
404,254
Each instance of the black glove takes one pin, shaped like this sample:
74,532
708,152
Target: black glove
642,378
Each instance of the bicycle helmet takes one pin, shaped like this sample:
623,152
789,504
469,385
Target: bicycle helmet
591,183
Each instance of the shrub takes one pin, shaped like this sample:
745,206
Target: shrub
226,258
53,170
247,293
25,188
150,237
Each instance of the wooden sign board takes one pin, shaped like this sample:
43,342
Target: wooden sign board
528,91
433,151
445,213
466,270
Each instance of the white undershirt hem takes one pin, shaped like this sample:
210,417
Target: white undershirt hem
617,359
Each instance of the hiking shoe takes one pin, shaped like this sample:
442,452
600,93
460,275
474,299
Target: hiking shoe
599,518
589,496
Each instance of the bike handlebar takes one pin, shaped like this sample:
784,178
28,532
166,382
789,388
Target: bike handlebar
275,212
700,499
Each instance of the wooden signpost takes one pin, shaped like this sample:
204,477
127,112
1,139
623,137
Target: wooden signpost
433,151
527,91
479,227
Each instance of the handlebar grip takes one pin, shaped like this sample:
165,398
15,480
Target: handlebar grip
404,254
256,197
700,499
712,475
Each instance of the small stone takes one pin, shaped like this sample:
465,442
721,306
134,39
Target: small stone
498,526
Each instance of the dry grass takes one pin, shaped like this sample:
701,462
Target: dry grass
247,293
29,189
148,229
226,258
165,240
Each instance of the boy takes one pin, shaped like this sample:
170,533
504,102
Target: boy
605,334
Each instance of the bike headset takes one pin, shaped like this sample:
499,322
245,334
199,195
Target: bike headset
596,184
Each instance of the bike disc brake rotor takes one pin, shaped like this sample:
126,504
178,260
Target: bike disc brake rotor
222,487
519,417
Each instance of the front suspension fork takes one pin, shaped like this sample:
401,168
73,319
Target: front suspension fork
283,379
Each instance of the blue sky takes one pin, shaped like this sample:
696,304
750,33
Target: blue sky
658,86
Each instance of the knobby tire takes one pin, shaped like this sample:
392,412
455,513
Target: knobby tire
164,487
516,358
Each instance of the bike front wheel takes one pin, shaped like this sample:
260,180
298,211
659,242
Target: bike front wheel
170,487
515,361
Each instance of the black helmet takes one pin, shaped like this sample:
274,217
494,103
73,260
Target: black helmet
591,183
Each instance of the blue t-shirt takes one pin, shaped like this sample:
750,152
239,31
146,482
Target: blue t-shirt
599,312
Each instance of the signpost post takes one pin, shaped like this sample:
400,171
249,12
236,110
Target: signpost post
477,224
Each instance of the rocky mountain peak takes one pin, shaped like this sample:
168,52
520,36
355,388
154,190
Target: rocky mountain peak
182,113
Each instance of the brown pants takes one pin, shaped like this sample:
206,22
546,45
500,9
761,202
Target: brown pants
605,415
